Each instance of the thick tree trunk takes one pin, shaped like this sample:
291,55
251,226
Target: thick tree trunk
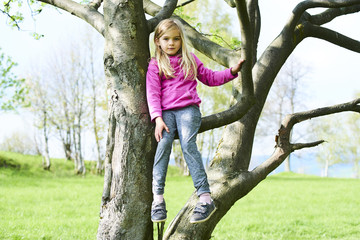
127,197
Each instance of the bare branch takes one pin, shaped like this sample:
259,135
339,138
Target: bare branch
246,48
185,3
283,145
85,12
298,146
333,37
255,20
231,3
228,116
166,12
330,14
95,4
305,5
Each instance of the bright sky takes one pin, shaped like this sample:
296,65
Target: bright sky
334,76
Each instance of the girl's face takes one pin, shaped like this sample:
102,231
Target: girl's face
170,42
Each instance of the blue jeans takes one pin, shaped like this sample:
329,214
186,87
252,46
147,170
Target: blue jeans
186,121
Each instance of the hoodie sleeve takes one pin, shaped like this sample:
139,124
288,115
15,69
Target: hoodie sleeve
212,78
153,90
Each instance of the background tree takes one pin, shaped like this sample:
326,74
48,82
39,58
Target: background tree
38,103
286,96
130,142
341,142
330,153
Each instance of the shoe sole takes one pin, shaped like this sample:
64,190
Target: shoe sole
205,219
159,221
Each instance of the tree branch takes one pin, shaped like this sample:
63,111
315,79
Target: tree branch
85,12
185,3
228,116
246,48
255,20
333,37
166,12
283,145
298,11
95,4
231,3
330,14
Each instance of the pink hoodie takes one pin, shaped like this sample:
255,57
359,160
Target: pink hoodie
164,94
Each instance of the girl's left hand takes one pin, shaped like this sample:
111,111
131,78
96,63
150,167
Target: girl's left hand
237,67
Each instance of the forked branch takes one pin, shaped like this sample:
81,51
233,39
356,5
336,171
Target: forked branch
283,146
166,11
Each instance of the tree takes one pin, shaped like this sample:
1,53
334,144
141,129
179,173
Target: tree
329,154
38,103
126,200
341,142
283,99
12,88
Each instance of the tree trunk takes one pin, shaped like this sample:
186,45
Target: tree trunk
127,196
46,157
326,172
287,164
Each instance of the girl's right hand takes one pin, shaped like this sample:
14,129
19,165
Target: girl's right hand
237,67
160,126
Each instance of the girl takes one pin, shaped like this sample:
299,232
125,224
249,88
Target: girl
174,106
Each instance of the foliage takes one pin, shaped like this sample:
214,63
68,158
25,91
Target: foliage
69,90
12,88
51,205
341,141
16,12
19,142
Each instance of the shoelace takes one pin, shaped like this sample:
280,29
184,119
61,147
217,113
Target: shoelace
200,208
158,208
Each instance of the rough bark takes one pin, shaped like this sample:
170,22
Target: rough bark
127,196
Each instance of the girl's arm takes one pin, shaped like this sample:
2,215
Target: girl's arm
153,90
215,78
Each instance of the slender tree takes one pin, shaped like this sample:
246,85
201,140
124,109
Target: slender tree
284,98
126,200
38,103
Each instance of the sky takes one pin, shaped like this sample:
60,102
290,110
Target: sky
333,79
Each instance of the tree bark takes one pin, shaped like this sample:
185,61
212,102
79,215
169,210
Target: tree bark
127,196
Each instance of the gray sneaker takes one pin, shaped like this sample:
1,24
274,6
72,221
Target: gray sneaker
158,212
202,212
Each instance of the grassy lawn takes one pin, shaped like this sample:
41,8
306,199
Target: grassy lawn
36,204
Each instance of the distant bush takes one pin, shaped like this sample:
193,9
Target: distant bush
19,142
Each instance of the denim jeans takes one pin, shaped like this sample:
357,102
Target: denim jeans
186,121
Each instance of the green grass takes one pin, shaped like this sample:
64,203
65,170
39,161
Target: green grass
37,204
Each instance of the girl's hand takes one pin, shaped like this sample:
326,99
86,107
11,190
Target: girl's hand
237,67
160,126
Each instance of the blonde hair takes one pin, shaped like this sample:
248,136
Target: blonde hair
188,64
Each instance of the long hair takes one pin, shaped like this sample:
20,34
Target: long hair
188,64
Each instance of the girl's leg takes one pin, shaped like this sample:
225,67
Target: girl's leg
162,154
188,121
